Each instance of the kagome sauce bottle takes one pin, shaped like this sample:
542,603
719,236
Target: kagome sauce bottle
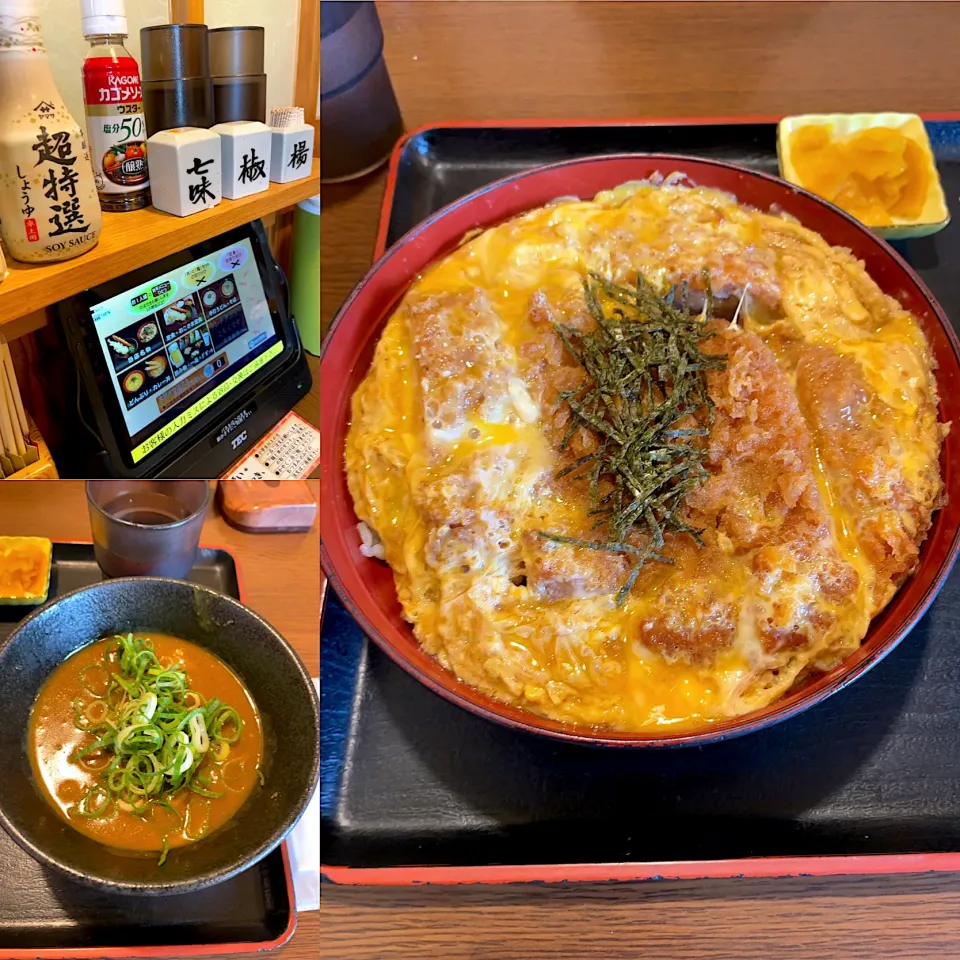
113,104
48,201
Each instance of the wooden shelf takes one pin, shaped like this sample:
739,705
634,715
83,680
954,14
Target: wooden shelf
132,240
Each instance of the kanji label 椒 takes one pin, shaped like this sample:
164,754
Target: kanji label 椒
252,167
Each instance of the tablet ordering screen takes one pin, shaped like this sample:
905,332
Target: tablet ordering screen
179,343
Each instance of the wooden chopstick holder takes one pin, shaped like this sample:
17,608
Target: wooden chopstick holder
6,424
9,424
7,359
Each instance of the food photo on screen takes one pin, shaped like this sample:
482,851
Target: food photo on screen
179,315
145,379
132,343
190,349
219,296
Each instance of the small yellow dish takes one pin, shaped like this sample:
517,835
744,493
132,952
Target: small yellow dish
877,166
25,564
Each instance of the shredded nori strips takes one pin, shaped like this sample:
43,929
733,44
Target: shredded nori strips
646,372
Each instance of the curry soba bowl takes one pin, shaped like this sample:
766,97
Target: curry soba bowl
159,736
661,461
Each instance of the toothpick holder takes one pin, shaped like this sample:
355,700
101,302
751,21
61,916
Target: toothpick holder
246,150
185,170
291,157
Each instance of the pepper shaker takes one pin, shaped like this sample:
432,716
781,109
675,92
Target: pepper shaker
246,149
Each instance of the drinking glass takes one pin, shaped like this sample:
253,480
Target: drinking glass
146,527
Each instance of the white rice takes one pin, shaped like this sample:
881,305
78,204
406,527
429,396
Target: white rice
370,545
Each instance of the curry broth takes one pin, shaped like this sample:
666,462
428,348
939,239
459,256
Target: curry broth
54,737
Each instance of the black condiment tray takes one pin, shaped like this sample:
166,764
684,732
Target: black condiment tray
415,789
45,915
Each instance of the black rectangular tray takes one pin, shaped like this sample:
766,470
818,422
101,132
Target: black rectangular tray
42,914
416,789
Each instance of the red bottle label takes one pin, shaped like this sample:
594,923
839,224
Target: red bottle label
30,225
109,81
115,124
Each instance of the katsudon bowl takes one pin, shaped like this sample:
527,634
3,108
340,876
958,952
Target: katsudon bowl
366,585
265,664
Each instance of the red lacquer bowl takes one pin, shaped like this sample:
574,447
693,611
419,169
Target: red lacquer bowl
366,586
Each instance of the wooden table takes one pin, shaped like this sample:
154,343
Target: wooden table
598,59
281,577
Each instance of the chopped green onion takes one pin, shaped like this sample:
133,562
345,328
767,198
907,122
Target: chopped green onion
153,733
224,716
204,792
198,734
86,807
93,748
95,711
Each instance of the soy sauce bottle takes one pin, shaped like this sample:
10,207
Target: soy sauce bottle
48,201
113,104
